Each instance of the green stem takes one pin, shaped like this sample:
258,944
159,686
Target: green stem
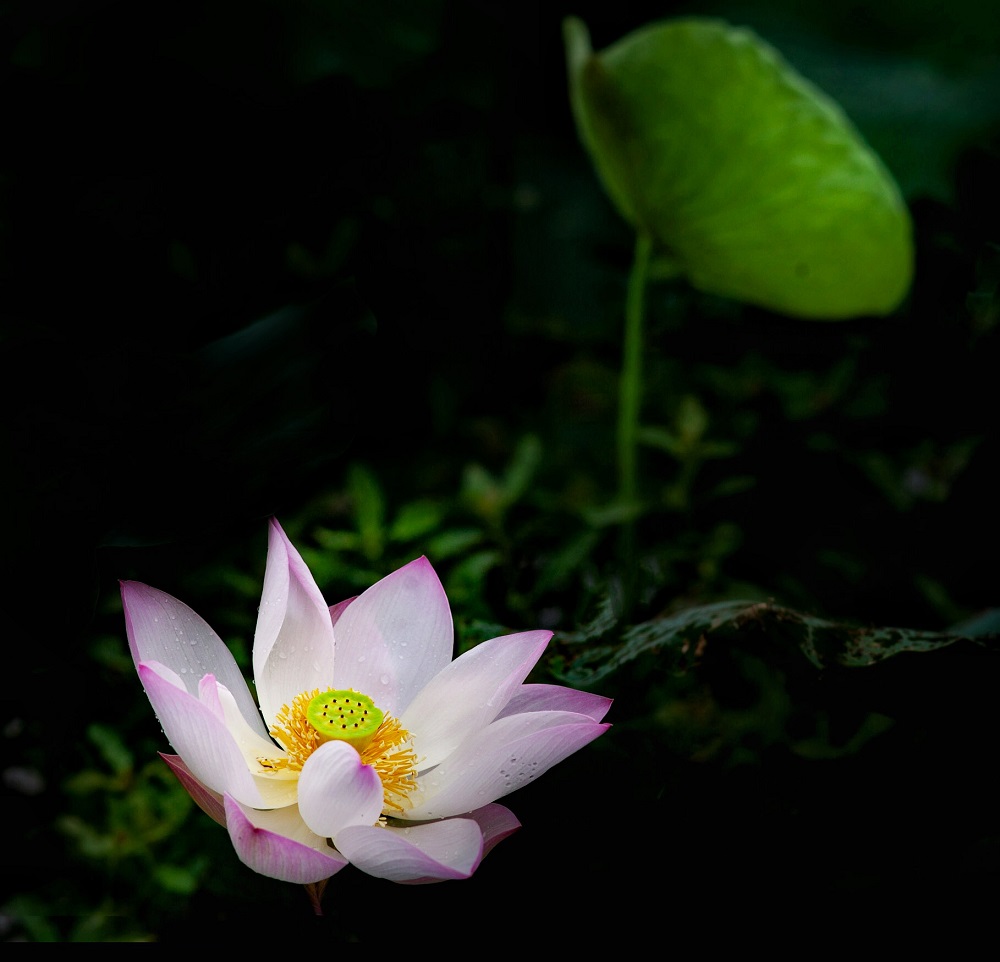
629,400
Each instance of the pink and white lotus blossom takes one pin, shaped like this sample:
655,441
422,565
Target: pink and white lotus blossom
370,746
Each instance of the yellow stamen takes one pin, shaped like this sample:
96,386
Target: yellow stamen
389,752
391,755
294,734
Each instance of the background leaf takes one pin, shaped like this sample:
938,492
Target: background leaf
745,173
683,637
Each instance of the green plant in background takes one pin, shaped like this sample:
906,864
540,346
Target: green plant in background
363,535
137,814
118,818
740,177
476,536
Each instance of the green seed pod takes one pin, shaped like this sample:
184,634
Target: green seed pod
345,715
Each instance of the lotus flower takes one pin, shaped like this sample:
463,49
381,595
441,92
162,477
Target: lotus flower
371,745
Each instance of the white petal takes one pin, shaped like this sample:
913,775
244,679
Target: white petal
557,698
250,744
465,696
396,636
293,641
206,745
278,844
336,789
448,849
161,628
507,755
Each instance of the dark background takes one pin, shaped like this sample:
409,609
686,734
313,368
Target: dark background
242,246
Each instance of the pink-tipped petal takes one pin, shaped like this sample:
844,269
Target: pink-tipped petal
208,801
496,823
557,698
502,758
202,739
466,695
208,695
277,844
293,641
336,789
161,628
449,849
339,608
396,636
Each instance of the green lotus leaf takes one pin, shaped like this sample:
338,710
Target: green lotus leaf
752,181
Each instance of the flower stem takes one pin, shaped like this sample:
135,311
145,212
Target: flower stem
315,892
629,401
